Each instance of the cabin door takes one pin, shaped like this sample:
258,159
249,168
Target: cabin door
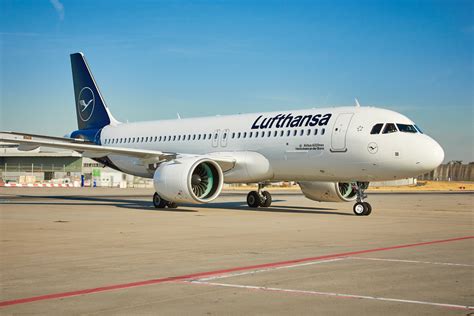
339,132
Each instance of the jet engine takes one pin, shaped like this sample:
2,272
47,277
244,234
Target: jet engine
189,180
329,191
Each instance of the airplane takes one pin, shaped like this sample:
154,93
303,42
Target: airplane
332,153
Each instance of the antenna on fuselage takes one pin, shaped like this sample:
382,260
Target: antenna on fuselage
357,103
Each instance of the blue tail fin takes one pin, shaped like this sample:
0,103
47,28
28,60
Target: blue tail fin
92,113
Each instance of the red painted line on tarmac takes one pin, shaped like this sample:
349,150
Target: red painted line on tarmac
216,272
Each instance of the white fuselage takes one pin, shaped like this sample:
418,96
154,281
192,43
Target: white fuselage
340,148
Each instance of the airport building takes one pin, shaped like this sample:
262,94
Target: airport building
48,165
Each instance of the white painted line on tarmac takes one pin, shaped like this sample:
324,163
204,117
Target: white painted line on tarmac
338,295
229,275
412,261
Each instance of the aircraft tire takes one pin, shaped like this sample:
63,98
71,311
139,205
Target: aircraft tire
359,209
267,199
253,199
172,205
368,209
158,202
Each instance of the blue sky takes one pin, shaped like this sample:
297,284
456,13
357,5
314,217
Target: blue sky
152,59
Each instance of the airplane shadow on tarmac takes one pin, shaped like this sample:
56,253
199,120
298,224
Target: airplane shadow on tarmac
148,206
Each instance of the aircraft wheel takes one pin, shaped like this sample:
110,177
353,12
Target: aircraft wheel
267,199
368,209
253,199
359,209
172,205
158,202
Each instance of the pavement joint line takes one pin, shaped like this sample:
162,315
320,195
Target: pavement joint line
268,269
412,261
332,294
218,272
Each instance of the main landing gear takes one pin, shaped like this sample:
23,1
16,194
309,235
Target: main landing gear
158,202
259,198
361,208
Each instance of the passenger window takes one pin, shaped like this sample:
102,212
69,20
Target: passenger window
323,131
316,131
245,134
169,137
199,136
376,129
295,132
233,135
389,128
250,135
256,134
269,134
238,135
225,135
194,136
288,132
309,132
179,137
406,128
301,132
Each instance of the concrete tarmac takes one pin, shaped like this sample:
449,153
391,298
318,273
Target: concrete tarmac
109,252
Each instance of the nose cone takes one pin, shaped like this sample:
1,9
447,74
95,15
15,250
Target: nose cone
433,154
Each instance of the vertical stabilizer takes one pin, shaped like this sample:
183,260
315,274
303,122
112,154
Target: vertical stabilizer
92,113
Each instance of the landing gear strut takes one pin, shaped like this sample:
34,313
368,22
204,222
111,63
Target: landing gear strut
159,202
259,198
361,208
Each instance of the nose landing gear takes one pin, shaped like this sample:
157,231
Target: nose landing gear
361,208
259,198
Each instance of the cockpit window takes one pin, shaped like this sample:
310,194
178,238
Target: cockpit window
405,128
389,128
418,129
376,129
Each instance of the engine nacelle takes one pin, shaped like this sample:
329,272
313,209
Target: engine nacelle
328,191
189,180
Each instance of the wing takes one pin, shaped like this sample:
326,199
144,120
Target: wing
88,149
